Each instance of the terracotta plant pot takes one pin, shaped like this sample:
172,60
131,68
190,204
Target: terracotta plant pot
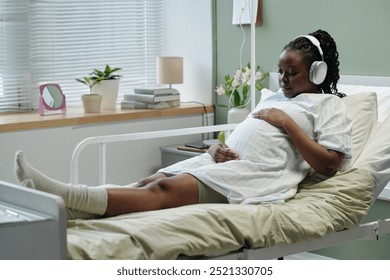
91,103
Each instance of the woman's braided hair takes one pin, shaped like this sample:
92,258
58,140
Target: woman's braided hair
310,54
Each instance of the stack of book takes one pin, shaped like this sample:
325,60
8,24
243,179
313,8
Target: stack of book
151,98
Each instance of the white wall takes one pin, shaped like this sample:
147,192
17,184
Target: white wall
189,34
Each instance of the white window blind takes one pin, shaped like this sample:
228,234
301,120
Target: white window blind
61,40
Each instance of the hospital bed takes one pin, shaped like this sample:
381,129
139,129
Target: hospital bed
325,211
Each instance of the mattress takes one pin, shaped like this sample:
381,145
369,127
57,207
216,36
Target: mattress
321,206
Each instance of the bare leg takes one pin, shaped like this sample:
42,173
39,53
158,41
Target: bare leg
159,194
150,179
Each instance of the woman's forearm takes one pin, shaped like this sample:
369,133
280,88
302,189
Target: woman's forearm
320,159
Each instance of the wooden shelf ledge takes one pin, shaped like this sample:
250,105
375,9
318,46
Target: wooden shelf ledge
76,116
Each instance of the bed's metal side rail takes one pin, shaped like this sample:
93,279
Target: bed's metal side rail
383,227
103,140
367,231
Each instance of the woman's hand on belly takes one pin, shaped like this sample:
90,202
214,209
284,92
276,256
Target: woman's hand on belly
273,116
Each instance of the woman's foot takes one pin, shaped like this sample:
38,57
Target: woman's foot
27,174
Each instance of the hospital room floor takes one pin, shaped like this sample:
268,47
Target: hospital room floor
306,256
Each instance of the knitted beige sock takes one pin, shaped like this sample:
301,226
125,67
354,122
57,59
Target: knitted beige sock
91,200
71,214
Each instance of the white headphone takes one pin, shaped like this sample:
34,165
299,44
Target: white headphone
318,69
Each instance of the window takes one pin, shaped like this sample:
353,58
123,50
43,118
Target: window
59,41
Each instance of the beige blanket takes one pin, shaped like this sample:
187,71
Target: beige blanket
320,207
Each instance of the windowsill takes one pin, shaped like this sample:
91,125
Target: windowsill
76,116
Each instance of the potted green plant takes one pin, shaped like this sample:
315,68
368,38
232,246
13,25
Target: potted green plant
91,102
106,83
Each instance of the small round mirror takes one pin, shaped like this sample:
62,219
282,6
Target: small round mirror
52,96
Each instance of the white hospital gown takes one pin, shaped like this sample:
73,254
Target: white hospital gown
270,168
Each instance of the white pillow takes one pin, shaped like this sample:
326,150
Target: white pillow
376,155
382,93
362,109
